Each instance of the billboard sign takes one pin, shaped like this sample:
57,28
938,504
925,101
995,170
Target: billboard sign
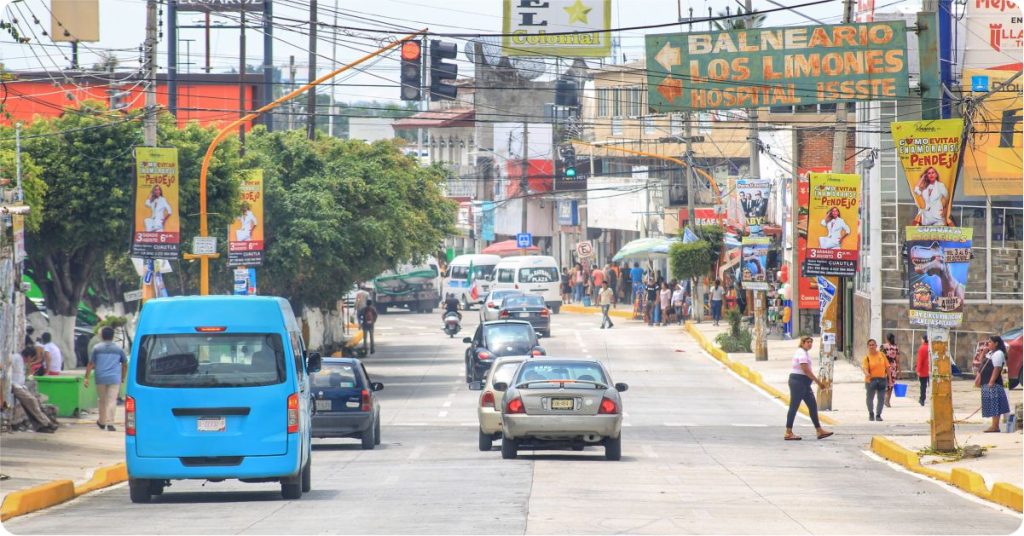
833,225
18,223
156,230
929,152
568,212
754,264
245,233
571,28
937,263
992,162
777,66
753,197
994,33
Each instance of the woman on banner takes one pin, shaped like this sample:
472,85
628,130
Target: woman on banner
933,194
836,230
160,210
247,222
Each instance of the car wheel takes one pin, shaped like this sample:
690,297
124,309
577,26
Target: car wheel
139,489
291,487
485,441
546,333
368,438
156,487
469,375
509,448
1014,382
613,448
465,304
307,476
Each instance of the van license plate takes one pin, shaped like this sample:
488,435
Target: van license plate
211,424
323,405
561,403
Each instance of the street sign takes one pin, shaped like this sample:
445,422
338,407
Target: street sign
133,295
585,249
204,245
524,240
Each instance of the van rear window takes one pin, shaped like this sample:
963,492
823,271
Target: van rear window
211,360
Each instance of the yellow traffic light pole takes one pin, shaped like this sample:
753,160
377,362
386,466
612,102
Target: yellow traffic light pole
204,259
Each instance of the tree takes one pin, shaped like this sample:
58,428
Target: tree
689,260
32,185
740,21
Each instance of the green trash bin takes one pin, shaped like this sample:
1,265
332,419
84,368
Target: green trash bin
68,394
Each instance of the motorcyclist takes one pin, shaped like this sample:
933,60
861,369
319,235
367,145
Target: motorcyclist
451,305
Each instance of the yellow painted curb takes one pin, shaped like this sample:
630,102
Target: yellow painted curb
36,498
104,477
744,371
1002,493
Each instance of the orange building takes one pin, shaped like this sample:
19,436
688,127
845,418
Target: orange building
210,99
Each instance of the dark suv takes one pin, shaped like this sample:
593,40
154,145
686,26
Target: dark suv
497,339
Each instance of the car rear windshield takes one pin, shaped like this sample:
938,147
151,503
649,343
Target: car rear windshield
479,272
211,360
503,373
335,376
538,275
514,335
532,300
536,374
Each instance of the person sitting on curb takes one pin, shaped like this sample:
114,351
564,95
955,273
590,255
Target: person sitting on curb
28,400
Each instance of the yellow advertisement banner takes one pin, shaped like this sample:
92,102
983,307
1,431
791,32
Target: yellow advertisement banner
245,233
833,227
929,151
157,227
992,162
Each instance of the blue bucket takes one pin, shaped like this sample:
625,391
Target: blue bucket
900,389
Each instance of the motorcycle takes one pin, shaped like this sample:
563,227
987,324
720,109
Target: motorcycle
452,323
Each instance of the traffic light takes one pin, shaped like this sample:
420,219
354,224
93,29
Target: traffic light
568,155
441,70
412,59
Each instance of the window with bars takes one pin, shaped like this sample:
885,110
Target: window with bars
604,96
616,95
635,96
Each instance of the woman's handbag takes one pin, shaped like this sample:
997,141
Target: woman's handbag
977,375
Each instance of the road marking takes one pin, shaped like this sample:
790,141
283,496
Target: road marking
416,452
649,452
678,424
473,424
452,395
411,424
749,425
447,404
442,414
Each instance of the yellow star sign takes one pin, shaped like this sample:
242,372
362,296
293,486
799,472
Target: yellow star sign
577,12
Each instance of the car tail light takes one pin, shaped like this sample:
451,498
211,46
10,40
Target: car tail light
515,406
503,314
490,305
129,416
210,329
487,399
366,401
293,413
608,407
545,312
484,355
536,353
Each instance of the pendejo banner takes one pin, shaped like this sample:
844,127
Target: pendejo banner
937,263
245,233
156,230
833,226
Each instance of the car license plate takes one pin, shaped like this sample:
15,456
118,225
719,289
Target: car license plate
323,405
211,424
561,403
524,315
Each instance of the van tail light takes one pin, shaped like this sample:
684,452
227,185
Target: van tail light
487,399
129,416
515,406
503,313
608,407
484,355
545,312
293,413
366,401
536,353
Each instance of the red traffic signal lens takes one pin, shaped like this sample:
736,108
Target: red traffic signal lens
411,50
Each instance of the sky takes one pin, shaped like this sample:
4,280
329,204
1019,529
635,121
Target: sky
122,31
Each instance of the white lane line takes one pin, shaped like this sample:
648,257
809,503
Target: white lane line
442,414
447,404
649,451
416,452
678,424
452,395
748,425
468,424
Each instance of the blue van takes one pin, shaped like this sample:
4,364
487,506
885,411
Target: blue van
218,388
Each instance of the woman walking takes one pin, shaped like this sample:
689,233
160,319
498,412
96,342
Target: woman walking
717,294
564,284
577,278
665,301
875,366
892,353
800,379
993,396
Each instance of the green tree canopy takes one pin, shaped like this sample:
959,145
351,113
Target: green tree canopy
689,260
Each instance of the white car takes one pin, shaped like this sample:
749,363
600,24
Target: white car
489,408
492,303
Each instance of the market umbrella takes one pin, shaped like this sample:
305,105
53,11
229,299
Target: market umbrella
507,248
645,248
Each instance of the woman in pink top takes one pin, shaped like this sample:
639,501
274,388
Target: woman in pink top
800,379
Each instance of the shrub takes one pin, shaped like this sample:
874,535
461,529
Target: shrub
736,339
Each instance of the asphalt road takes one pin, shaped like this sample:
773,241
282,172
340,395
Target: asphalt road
702,453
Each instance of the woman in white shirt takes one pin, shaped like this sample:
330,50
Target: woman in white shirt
160,210
836,230
933,194
247,221
993,397
800,378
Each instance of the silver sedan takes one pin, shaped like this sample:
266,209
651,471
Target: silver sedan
556,403
491,306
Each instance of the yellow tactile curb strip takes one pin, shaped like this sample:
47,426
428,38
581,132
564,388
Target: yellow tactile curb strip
1001,493
580,309
744,372
53,493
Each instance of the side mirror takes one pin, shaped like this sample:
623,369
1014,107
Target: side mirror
313,362
501,387
467,340
377,386
621,387
476,386
538,334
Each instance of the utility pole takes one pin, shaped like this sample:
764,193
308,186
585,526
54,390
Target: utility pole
268,59
241,82
17,159
334,61
291,105
149,121
760,329
524,170
311,96
691,193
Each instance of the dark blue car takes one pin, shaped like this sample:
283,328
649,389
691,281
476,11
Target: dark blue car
345,401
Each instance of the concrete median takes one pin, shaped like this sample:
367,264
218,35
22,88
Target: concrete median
36,498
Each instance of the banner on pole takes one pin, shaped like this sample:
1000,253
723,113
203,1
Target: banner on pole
245,234
156,230
992,162
937,264
754,264
833,225
929,152
18,222
807,287
753,202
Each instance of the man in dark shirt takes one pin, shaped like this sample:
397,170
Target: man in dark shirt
451,305
652,299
